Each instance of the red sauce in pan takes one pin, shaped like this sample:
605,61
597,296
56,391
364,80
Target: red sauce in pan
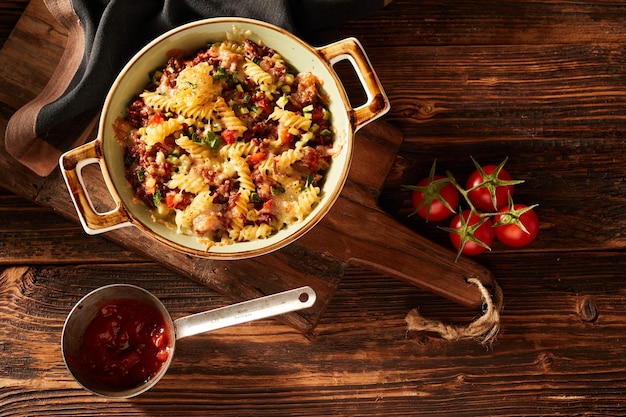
125,345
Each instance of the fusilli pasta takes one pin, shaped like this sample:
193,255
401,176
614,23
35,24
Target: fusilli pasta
229,143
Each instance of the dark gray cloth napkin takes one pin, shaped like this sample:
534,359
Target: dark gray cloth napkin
112,31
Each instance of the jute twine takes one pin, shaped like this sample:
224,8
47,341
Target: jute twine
484,329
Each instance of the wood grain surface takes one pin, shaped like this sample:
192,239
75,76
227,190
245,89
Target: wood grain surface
539,82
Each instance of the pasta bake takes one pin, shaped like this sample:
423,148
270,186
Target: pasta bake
228,143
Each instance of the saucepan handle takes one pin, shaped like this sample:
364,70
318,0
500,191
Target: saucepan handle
377,103
72,164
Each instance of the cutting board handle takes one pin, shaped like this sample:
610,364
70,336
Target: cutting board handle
72,164
405,255
364,235
377,103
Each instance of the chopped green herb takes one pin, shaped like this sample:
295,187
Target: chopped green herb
309,180
278,190
141,175
213,141
255,198
326,132
220,73
156,198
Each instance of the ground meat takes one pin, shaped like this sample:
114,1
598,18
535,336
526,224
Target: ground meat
255,51
138,113
208,55
306,93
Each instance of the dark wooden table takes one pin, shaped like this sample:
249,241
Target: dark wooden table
542,83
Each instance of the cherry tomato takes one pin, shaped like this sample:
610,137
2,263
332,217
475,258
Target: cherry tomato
509,225
494,180
435,198
471,235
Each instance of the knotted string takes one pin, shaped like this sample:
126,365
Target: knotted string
484,329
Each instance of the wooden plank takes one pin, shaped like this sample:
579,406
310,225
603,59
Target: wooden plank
33,234
10,12
492,22
563,177
554,107
554,104
359,361
557,113
480,93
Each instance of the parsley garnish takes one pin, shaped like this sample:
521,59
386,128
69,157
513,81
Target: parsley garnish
213,141
309,181
220,73
156,198
278,190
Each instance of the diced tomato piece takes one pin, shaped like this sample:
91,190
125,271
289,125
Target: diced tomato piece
263,103
128,361
169,200
229,136
256,158
162,355
157,118
317,114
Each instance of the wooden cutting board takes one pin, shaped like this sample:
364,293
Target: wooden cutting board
356,230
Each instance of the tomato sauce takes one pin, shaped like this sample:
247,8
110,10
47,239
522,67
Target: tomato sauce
125,345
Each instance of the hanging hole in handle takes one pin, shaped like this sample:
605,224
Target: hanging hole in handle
351,83
304,297
93,181
72,164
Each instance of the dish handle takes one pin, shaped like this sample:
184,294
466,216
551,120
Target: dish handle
72,164
377,103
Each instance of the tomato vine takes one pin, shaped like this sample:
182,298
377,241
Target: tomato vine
490,214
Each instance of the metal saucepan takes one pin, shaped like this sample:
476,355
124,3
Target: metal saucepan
135,311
